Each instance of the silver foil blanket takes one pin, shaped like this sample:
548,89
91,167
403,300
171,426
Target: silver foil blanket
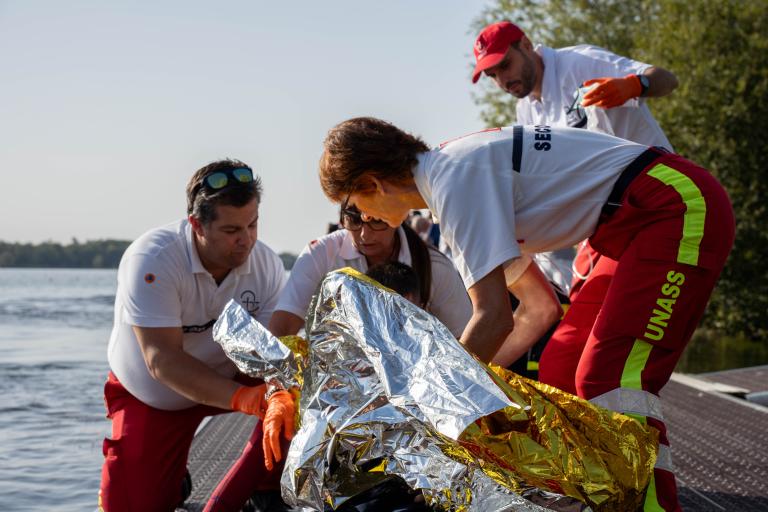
387,391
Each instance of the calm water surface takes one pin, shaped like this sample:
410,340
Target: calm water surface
54,329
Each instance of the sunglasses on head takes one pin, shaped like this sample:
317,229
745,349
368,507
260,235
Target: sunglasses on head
352,220
220,179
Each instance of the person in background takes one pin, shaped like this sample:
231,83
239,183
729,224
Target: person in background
332,226
166,371
421,225
666,221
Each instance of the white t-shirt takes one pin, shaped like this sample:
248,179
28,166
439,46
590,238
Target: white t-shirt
565,69
448,301
162,283
491,214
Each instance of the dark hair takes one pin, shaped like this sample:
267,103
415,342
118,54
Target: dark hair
202,201
397,276
421,261
366,146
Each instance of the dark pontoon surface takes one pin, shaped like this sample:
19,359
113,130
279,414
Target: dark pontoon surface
719,442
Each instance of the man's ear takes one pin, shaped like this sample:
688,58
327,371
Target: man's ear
197,227
526,43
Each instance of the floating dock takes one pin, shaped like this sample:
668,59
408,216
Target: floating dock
719,442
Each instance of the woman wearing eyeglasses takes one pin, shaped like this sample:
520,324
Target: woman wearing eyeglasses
363,244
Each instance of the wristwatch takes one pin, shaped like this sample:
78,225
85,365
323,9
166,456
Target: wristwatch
271,390
644,84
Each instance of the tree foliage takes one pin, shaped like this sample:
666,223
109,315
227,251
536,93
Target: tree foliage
91,254
718,116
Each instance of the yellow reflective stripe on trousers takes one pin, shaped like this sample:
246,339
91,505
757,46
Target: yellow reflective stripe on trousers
633,367
630,398
651,503
695,213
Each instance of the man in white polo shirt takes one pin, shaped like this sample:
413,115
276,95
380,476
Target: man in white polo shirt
505,192
548,84
167,373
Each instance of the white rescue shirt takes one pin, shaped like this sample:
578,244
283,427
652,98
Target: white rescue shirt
448,301
491,214
565,69
162,283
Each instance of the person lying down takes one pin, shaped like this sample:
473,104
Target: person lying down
386,392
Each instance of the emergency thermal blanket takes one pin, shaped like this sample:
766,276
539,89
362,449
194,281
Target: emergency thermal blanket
387,391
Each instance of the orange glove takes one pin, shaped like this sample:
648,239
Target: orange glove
612,92
250,400
280,411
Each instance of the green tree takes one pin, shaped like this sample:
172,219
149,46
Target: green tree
718,117
91,254
288,259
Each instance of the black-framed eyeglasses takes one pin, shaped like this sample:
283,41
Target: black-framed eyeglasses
352,220
220,179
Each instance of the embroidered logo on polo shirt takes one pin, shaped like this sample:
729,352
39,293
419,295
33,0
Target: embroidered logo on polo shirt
149,278
250,302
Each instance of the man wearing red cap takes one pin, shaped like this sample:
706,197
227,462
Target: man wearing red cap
555,87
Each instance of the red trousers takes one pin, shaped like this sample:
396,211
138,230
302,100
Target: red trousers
661,254
247,475
584,263
145,460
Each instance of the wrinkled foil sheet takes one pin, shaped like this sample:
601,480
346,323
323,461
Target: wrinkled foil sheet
253,349
388,392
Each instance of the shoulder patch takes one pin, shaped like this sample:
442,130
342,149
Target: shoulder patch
149,278
313,243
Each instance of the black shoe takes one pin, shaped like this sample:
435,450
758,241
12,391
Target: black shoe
266,501
186,488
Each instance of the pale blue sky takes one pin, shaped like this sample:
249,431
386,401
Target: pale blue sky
108,107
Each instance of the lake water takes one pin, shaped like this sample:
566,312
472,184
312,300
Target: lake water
54,330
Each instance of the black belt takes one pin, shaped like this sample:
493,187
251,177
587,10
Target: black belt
517,147
645,159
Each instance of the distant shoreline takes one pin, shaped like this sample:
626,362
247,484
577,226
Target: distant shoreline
90,254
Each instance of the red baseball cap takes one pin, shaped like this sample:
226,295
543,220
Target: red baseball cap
492,44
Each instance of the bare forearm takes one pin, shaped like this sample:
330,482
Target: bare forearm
483,335
192,379
530,326
284,323
538,310
661,82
